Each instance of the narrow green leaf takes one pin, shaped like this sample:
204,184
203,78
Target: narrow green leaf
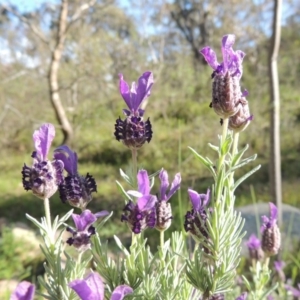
238,156
123,191
240,180
216,148
120,245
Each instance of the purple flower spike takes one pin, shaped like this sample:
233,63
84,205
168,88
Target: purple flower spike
163,176
141,215
76,190
133,131
24,291
195,220
81,236
163,208
92,288
253,242
44,176
279,265
254,247
271,239
226,91
295,292
242,297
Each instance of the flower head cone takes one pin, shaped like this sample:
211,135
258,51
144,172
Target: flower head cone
163,207
241,119
134,131
44,176
92,288
271,238
254,248
226,91
141,215
81,235
195,220
76,190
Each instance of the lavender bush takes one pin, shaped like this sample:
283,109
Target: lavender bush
173,271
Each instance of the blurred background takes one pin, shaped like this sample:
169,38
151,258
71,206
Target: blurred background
74,50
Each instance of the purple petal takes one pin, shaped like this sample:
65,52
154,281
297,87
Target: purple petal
90,288
143,182
295,292
164,183
227,52
273,213
253,242
84,221
242,297
24,291
120,292
210,57
43,138
143,89
68,157
195,199
279,265
199,201
174,186
146,202
125,92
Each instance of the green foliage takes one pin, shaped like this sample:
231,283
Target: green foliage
11,265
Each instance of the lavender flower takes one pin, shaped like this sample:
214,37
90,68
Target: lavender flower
226,91
81,236
271,238
254,247
195,220
242,297
133,131
92,288
44,176
163,208
279,265
295,292
76,189
24,291
141,215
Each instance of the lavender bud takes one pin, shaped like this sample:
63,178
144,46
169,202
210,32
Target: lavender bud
241,119
163,215
271,238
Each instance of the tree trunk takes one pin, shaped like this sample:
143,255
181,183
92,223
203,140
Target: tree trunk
60,112
275,157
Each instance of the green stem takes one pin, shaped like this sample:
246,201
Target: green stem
134,164
48,218
162,242
223,138
236,136
225,129
162,238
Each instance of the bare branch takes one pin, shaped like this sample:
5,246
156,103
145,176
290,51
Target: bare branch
80,11
275,156
24,20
